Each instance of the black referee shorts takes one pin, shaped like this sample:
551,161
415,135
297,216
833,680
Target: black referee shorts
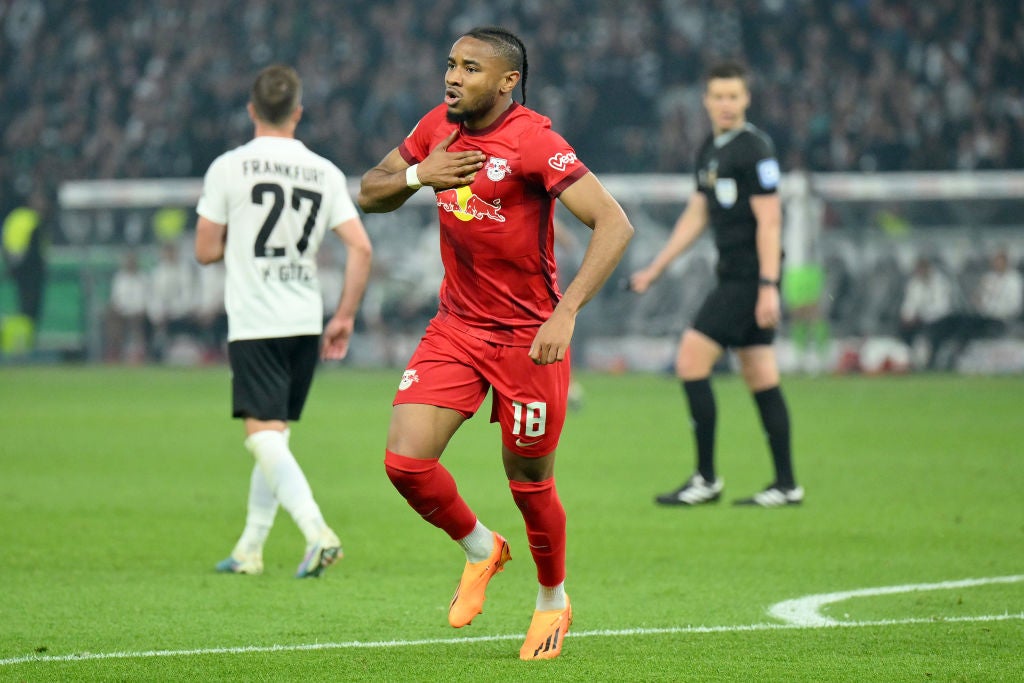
270,378
727,316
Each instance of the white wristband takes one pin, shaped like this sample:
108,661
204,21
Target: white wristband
411,179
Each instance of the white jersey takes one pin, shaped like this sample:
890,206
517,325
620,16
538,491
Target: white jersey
278,199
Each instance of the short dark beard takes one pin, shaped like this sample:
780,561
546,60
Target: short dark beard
472,114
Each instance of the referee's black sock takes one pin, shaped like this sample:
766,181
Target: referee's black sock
703,416
775,418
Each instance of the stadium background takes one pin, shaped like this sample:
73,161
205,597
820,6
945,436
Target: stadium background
119,485
150,91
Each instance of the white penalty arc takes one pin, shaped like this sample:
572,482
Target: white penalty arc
806,611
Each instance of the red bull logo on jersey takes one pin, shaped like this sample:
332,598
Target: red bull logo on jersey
466,206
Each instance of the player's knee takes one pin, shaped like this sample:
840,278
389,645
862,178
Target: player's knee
697,356
404,471
760,381
415,479
689,367
520,468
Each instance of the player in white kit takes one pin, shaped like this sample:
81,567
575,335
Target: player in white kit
265,209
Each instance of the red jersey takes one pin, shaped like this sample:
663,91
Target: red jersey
497,235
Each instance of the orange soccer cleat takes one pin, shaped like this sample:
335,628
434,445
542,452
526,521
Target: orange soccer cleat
547,631
468,600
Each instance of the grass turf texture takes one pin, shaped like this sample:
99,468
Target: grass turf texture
120,488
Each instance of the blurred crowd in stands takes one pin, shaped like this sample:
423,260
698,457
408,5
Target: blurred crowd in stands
106,89
170,310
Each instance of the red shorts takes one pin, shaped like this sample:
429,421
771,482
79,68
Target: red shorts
452,369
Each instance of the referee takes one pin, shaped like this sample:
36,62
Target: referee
737,194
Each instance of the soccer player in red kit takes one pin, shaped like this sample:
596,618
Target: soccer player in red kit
502,326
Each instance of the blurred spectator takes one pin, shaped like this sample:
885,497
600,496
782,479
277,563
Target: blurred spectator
426,271
94,90
171,301
880,297
928,299
997,304
125,335
22,242
413,297
802,289
105,90
1000,294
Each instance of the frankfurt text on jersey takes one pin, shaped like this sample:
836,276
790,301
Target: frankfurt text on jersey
277,168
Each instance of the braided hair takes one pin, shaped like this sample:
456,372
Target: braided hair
508,46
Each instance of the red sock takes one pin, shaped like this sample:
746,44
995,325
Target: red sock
430,490
545,527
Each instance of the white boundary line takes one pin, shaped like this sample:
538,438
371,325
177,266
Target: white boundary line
382,644
801,613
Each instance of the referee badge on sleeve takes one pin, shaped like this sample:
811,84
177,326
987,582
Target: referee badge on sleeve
768,173
725,192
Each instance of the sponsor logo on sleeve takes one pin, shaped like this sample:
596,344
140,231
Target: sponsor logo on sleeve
561,161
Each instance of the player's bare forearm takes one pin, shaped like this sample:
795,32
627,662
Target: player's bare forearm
597,209
357,274
768,212
358,262
687,229
606,248
209,243
590,202
383,189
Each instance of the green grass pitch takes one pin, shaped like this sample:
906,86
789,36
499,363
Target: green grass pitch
120,489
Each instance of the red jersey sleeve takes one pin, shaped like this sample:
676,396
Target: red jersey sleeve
549,160
418,143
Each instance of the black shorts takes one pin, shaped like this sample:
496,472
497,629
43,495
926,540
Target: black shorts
727,316
270,378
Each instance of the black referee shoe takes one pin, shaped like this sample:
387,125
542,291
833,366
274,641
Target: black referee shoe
696,491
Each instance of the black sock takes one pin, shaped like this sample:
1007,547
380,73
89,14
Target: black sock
775,419
703,416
